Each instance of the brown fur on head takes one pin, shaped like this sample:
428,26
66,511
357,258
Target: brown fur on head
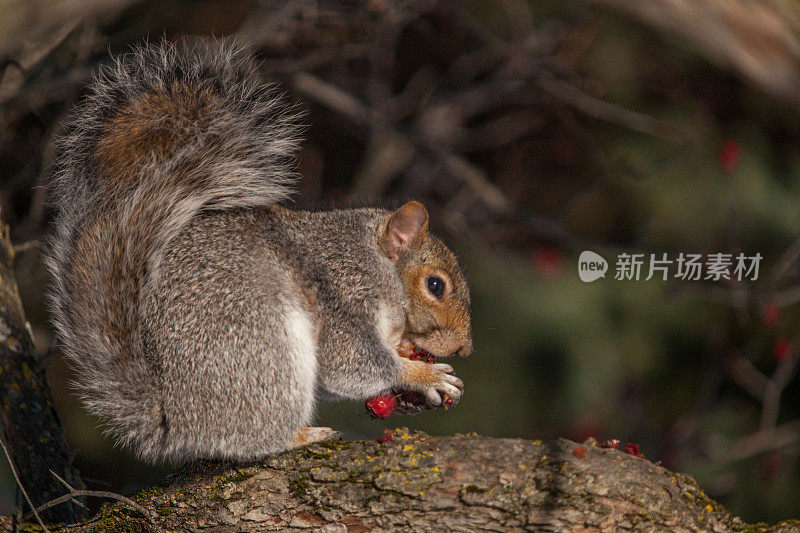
438,318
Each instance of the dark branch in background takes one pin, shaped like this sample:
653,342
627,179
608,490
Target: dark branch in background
424,125
93,493
751,300
757,39
21,486
30,424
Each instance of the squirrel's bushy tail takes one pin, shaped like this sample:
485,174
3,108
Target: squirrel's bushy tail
165,133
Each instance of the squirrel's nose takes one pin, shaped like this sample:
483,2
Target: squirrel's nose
463,351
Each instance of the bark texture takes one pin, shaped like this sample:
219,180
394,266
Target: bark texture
31,428
423,483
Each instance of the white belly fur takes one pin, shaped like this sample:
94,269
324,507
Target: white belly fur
302,343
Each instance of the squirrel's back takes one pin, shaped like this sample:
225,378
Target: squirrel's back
164,133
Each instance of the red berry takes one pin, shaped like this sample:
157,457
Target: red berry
632,449
729,155
387,436
771,314
448,402
418,354
610,443
382,406
781,350
549,261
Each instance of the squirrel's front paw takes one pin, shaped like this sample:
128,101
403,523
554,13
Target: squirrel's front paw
435,382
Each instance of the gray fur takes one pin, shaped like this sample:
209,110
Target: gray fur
244,397
202,319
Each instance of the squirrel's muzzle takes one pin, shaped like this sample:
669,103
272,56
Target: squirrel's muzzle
445,342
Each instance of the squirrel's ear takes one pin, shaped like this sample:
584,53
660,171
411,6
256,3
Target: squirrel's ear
405,229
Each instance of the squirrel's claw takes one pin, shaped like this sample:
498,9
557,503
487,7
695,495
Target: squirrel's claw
451,387
443,367
434,383
445,385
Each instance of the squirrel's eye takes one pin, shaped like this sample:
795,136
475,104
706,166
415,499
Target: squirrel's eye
435,285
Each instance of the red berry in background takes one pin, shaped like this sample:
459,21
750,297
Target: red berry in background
382,406
632,449
548,261
729,155
781,350
771,314
610,443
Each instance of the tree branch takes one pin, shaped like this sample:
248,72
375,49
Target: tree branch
423,483
758,39
30,424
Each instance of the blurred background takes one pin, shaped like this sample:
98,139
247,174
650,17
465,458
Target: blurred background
532,130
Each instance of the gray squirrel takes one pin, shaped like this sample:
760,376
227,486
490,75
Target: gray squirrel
202,318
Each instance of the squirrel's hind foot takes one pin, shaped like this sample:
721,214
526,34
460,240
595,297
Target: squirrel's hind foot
310,435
